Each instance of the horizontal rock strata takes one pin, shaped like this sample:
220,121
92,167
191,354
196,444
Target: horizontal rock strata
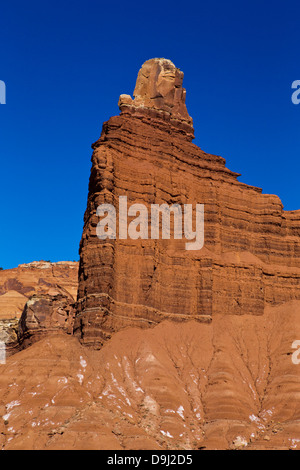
230,384
251,254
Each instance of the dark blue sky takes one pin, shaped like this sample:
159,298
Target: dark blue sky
66,63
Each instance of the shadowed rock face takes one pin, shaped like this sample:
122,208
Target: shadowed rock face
251,253
18,285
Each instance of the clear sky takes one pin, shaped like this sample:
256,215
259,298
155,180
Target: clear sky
65,63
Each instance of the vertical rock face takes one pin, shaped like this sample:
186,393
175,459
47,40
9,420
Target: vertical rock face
251,253
18,285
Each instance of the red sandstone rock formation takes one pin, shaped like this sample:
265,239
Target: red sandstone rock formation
18,285
159,93
226,379
251,255
44,315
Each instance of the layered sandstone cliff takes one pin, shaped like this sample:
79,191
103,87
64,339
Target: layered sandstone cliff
251,253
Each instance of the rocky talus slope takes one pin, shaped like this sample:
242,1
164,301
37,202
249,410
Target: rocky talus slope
230,384
19,284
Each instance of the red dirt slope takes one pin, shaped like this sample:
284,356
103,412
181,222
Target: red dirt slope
228,384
